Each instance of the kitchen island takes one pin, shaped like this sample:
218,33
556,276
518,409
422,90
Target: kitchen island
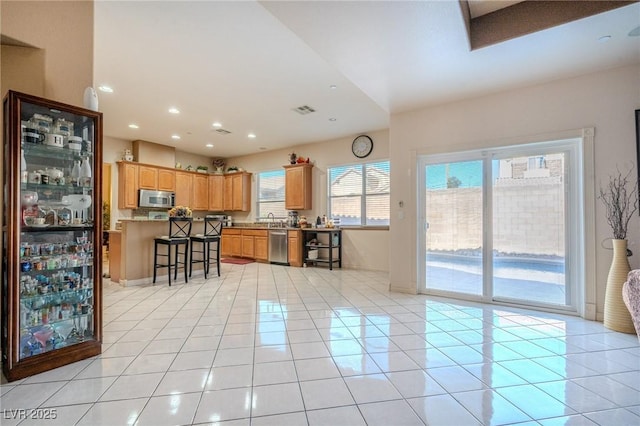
131,250
131,247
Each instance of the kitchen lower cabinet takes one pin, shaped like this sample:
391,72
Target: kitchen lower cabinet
248,243
248,249
294,245
261,246
231,243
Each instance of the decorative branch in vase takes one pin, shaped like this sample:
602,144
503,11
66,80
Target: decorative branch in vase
621,201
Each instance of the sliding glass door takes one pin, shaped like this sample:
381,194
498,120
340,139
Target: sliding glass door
496,224
529,236
453,226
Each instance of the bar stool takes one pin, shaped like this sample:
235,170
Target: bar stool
210,238
179,230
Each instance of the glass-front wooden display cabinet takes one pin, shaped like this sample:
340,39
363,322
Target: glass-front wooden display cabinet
51,235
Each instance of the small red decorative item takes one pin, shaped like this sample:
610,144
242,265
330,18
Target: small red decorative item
301,160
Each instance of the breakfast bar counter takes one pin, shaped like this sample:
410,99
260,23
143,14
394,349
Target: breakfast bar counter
131,250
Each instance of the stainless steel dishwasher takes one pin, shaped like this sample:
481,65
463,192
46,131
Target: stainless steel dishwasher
278,252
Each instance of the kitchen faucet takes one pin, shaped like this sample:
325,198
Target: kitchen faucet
273,220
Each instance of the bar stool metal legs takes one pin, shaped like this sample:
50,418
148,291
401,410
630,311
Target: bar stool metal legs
208,245
174,264
179,230
211,237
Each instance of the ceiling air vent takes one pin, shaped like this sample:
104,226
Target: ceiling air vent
222,131
304,110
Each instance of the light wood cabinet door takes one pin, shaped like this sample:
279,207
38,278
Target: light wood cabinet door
261,247
225,245
236,245
242,192
216,193
294,248
237,192
248,246
298,186
166,180
228,193
148,177
200,192
127,185
184,181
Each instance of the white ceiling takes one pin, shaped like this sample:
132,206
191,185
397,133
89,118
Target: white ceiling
248,64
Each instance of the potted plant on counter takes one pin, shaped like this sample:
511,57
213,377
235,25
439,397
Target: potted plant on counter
620,198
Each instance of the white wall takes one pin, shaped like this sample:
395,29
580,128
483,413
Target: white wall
604,100
322,154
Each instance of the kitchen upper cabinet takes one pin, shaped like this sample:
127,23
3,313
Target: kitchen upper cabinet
184,182
216,193
237,192
166,180
297,184
127,185
147,177
200,192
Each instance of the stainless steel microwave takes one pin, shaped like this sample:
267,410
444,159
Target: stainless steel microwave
149,198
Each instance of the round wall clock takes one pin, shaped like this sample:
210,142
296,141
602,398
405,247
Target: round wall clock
362,146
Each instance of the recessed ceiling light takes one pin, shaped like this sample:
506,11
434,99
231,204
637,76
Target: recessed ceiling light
106,89
133,126
174,110
333,119
175,137
209,145
333,87
216,124
251,136
604,38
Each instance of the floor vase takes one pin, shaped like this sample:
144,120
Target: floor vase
616,314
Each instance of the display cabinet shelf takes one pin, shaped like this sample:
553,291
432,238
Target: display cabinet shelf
51,297
50,152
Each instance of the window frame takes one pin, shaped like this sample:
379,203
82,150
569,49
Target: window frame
363,194
260,202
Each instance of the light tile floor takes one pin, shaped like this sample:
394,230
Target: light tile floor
271,345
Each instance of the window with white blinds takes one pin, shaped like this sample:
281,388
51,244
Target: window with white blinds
271,195
359,194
